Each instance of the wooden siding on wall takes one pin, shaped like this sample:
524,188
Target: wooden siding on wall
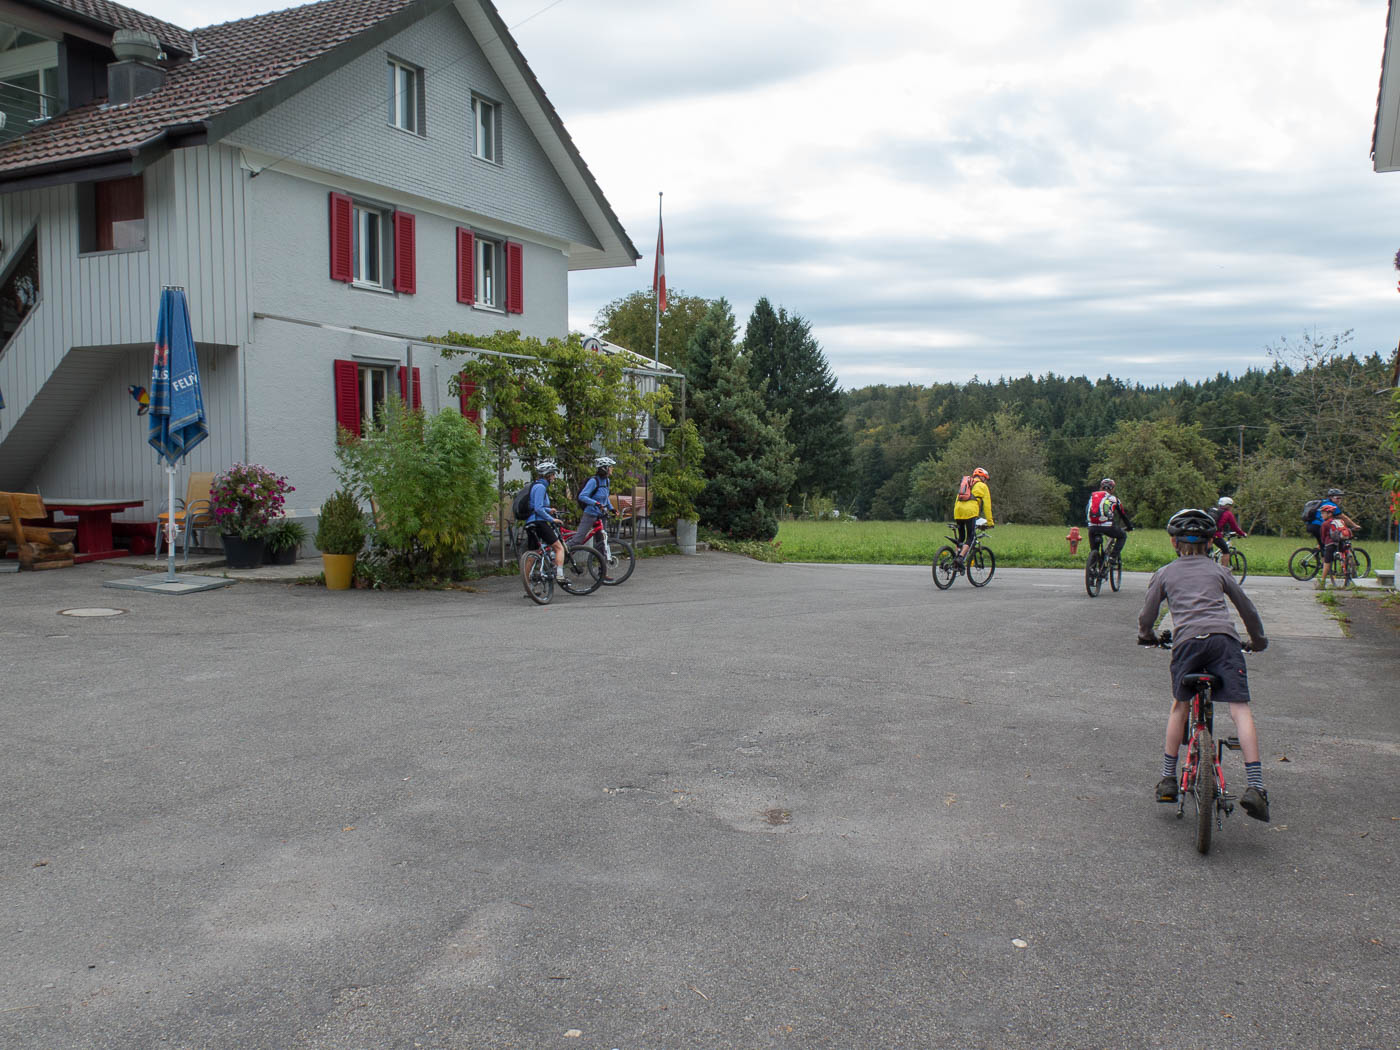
196,238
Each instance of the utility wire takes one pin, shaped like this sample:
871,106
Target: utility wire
360,115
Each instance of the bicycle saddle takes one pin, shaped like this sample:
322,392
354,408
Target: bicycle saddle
1195,681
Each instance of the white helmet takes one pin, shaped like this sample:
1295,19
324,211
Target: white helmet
547,466
606,461
1225,501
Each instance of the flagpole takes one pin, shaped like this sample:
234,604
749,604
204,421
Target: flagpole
656,347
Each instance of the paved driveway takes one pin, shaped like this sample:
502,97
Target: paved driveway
727,804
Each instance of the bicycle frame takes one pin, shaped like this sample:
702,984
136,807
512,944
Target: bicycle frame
566,536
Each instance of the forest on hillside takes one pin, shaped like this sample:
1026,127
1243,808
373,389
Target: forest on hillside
1272,438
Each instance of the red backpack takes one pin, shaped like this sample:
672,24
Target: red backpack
965,488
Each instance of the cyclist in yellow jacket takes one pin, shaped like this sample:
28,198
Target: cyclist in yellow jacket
974,501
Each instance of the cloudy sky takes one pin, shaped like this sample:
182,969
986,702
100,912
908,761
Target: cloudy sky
1148,189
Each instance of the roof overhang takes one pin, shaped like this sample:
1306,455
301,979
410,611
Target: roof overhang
1385,138
539,114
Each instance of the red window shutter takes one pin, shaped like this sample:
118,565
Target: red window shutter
405,253
342,238
515,278
515,435
466,389
417,386
347,396
466,258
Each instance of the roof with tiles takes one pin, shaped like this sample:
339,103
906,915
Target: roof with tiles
236,61
118,16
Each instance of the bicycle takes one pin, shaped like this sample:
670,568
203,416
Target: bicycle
980,563
583,571
1102,565
1306,562
1236,563
1203,776
619,559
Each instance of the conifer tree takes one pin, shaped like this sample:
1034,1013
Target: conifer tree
747,463
788,368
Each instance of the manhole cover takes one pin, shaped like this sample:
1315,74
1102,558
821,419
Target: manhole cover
90,612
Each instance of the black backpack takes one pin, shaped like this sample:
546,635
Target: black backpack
1310,510
521,507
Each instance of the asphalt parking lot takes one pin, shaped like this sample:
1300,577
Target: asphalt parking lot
727,804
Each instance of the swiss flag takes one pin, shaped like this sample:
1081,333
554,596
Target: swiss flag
658,277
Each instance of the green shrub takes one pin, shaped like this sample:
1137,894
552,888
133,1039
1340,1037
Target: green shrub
341,529
285,533
431,486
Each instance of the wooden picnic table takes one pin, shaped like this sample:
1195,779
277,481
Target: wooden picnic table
94,541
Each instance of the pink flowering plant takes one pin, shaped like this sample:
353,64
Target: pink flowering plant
246,499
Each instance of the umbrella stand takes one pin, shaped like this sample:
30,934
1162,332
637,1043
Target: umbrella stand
170,527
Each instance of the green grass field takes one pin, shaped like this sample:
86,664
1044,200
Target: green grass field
1024,546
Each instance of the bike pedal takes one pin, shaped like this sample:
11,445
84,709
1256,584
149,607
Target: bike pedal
1233,743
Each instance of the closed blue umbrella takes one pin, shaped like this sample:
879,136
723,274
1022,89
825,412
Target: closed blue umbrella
177,404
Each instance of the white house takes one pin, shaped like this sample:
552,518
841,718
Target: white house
327,183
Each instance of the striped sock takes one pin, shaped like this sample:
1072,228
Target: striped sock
1169,765
1254,774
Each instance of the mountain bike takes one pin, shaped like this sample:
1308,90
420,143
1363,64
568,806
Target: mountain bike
618,557
1102,565
1236,563
1306,562
979,565
1202,776
583,571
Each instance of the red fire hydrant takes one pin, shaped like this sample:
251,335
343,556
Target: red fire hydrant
1073,538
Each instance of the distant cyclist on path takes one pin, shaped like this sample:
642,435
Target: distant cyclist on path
974,501
1103,511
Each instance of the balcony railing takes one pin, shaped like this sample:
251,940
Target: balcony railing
23,109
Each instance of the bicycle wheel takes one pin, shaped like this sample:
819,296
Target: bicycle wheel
1348,567
1363,563
945,568
1304,563
981,567
1115,573
1093,577
538,579
624,560
1203,788
1239,565
583,571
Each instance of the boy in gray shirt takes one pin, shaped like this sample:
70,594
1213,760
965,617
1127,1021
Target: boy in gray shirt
1204,642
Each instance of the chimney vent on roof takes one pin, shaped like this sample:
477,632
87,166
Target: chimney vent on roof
134,73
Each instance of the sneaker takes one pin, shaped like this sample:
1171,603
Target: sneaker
559,575
1255,802
1166,789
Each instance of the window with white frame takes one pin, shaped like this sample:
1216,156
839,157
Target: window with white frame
488,129
488,273
374,393
369,245
406,96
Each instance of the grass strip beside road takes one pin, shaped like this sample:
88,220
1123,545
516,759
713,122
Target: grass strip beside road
1019,546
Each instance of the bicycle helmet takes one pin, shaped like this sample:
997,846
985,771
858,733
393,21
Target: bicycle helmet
547,467
606,461
1106,484
979,472
1327,510
1335,492
1192,525
1224,501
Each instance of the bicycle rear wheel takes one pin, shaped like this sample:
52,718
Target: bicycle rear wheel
1363,563
1203,788
538,579
981,567
1093,578
945,568
1115,572
624,560
583,571
1239,565
1349,566
1304,563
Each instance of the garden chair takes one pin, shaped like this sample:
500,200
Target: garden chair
192,513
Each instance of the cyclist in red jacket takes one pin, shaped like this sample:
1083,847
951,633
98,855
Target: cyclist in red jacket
1226,524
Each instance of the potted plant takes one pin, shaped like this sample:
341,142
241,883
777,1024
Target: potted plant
284,537
677,483
244,501
339,535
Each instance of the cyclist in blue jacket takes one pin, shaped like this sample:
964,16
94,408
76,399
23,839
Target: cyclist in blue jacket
593,502
542,519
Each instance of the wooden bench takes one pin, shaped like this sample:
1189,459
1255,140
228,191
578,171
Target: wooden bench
39,546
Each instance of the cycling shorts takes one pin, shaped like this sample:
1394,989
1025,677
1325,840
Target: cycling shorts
543,531
1217,654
